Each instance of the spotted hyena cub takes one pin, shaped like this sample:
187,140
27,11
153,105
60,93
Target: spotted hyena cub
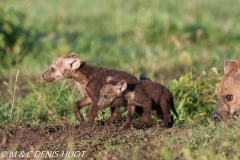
90,80
150,96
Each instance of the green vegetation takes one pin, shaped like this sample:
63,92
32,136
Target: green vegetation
181,44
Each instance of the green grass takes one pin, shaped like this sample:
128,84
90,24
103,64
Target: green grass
161,38
181,44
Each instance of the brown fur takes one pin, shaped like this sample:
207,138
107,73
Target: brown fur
90,80
146,94
163,101
228,92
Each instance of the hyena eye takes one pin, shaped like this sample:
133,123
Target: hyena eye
229,97
105,96
52,69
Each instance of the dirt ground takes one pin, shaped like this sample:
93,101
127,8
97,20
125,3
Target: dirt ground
59,139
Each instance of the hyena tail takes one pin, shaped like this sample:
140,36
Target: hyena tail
143,77
171,103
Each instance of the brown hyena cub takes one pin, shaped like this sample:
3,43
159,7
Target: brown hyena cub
150,96
90,80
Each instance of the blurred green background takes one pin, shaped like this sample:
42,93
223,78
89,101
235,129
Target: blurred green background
181,44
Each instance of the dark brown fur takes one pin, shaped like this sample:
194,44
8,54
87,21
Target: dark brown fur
146,94
162,97
96,77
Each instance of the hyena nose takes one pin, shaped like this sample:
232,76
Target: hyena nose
215,116
43,75
98,105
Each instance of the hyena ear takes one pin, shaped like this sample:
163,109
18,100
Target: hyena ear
122,86
73,54
74,63
228,65
109,79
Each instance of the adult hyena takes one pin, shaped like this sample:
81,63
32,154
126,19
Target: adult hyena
228,104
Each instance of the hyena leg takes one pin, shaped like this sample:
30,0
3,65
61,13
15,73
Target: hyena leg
115,114
167,117
80,104
92,113
131,110
155,113
159,112
145,118
139,111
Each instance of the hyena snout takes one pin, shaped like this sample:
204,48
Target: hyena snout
100,106
216,116
43,75
221,115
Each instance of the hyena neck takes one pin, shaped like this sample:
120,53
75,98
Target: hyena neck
85,68
88,70
74,75
80,75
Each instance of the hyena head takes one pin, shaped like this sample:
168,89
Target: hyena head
110,92
62,67
228,92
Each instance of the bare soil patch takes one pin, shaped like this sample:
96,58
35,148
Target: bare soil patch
69,137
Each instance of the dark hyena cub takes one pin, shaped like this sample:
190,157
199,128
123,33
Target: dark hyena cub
146,94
